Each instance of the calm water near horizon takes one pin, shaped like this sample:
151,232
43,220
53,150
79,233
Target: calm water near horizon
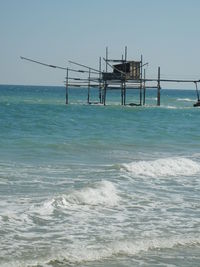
88,185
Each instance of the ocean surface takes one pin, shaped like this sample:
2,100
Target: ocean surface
88,185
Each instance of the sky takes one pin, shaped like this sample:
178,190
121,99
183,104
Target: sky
165,32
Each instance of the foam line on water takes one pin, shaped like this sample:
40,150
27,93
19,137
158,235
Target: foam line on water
126,248
79,254
163,167
185,99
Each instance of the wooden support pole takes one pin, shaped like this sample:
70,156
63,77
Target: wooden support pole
144,88
197,91
105,83
106,59
158,88
124,93
88,98
140,95
124,89
105,91
141,80
67,93
125,55
100,93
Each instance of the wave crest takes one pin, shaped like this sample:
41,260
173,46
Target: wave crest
103,193
123,248
79,254
163,167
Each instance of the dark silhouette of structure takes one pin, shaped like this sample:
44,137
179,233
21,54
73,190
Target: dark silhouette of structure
124,75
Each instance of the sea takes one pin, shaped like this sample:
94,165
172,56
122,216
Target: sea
98,186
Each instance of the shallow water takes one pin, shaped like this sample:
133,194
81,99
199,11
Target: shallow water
98,186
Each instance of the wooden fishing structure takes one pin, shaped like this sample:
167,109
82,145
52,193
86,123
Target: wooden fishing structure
118,74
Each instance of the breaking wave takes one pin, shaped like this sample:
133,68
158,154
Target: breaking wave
103,193
79,254
163,167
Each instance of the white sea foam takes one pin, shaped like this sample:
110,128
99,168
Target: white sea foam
163,167
123,248
185,99
170,107
79,254
103,193
131,248
46,209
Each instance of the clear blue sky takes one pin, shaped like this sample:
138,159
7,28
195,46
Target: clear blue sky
166,32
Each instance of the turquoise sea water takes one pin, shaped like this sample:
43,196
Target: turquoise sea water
88,185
